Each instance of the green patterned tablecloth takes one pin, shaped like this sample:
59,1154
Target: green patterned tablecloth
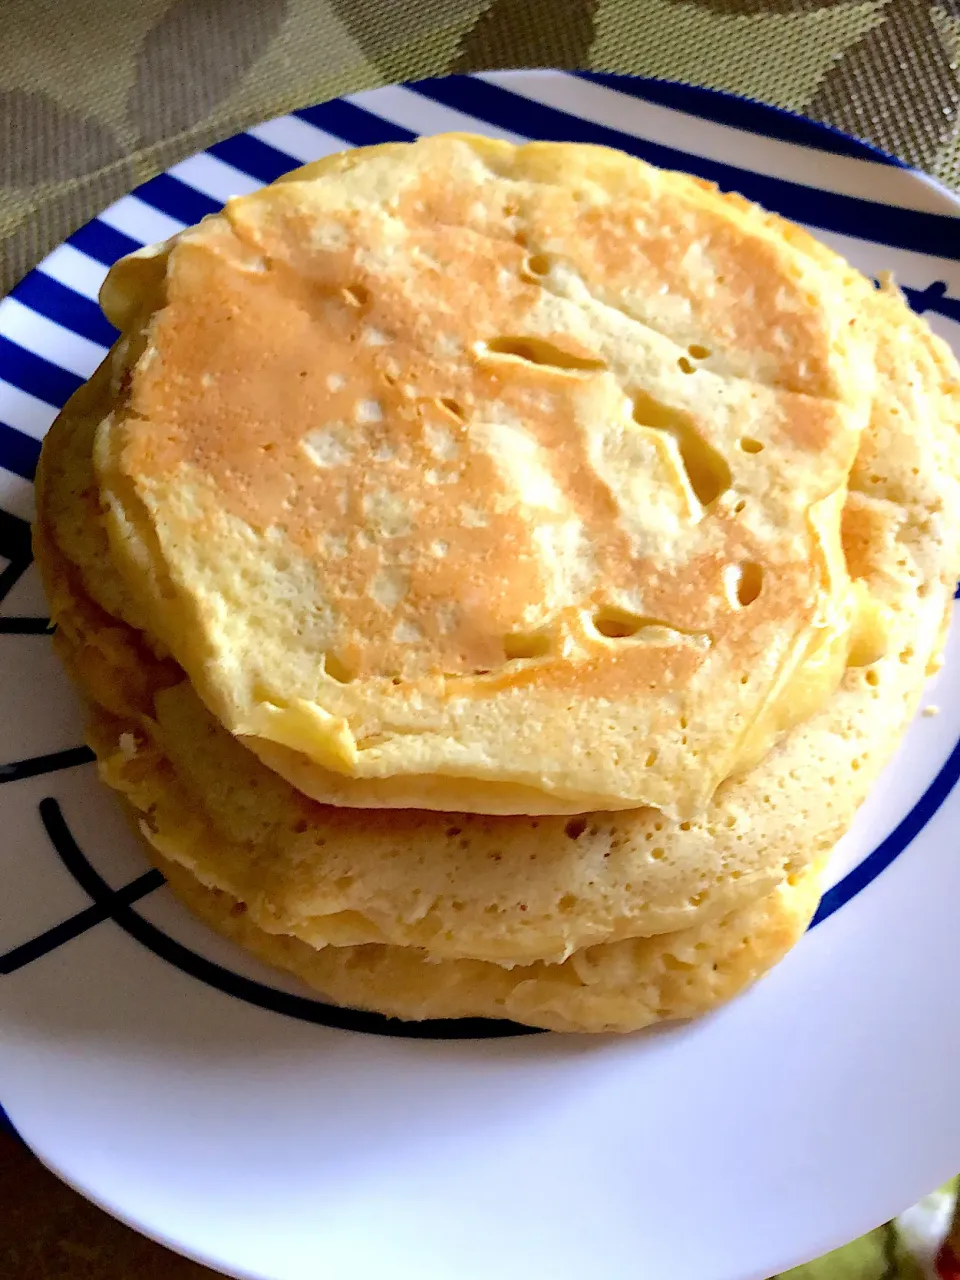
98,95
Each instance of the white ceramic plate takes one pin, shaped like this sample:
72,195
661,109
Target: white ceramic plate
222,1109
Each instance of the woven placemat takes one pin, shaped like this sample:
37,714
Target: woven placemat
100,95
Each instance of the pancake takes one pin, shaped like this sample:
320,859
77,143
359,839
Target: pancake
456,474
617,986
511,889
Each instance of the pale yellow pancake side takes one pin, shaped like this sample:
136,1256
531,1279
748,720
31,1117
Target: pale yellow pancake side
619,986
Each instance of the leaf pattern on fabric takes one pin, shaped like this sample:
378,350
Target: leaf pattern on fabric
392,33
64,144
193,57
514,33
749,8
863,93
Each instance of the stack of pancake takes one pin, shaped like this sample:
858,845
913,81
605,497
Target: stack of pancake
498,574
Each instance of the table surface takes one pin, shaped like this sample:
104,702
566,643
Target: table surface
97,97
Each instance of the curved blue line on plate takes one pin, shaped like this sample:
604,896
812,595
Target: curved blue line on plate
15,548
6,1125
82,921
233,984
899,838
53,762
748,114
14,538
19,452
18,625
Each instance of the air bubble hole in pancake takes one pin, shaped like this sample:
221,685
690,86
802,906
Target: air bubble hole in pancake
520,646
535,265
337,669
507,441
708,472
621,624
541,351
744,583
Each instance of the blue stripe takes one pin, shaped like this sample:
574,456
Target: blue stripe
234,984
69,758
254,158
38,377
176,199
77,925
743,113
356,126
14,540
22,625
18,452
929,233
902,835
102,243
48,297
6,1124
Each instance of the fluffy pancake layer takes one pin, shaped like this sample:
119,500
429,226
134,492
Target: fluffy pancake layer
457,474
171,539
515,890
617,986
